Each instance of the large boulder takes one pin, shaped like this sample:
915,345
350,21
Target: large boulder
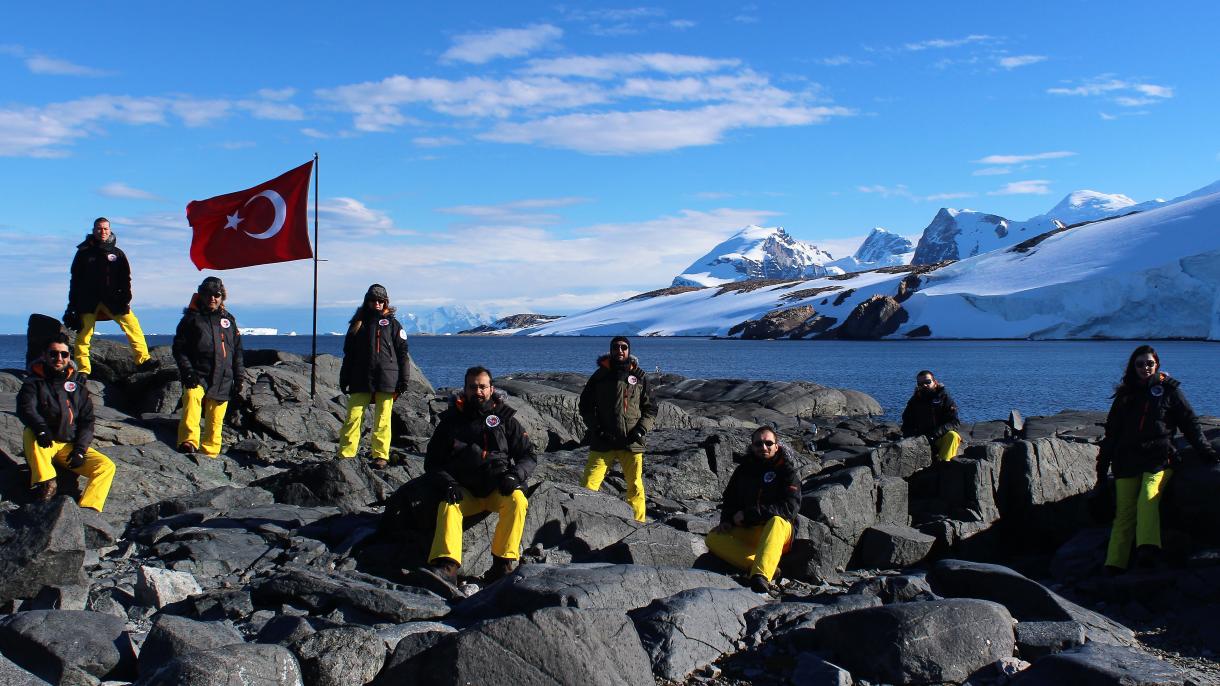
345,656
1101,665
817,554
11,674
924,642
156,587
361,596
349,484
877,317
885,546
52,642
172,637
252,663
658,545
557,645
691,629
41,545
845,501
1041,478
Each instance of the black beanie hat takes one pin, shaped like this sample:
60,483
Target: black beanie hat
212,286
616,339
378,292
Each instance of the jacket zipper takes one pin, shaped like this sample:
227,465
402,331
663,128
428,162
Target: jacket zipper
378,340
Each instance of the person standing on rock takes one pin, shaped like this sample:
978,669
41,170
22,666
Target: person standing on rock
761,502
207,348
619,410
479,457
932,413
1138,445
55,407
100,288
376,369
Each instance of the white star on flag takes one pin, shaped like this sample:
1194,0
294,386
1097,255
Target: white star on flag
234,220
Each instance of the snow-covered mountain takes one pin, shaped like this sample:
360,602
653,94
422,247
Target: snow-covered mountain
958,234
512,324
881,249
442,320
1150,275
756,252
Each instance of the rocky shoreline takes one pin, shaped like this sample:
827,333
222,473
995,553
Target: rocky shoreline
277,564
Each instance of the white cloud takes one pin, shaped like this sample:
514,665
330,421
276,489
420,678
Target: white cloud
118,189
41,64
937,197
682,24
643,131
435,141
516,212
902,191
1015,61
1019,159
1121,92
479,48
991,171
610,66
350,217
314,133
941,43
237,145
1035,187
835,61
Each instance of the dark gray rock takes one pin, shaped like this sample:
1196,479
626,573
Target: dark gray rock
886,546
817,554
41,545
219,499
767,622
347,656
265,665
349,484
1039,639
209,553
691,629
1026,599
13,675
900,588
928,642
172,637
893,501
156,587
812,670
393,635
98,532
845,501
876,317
1041,476
901,458
558,645
1098,664
320,593
657,545
284,630
50,642
585,586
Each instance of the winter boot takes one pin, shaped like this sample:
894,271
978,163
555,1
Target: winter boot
46,490
500,568
759,584
440,576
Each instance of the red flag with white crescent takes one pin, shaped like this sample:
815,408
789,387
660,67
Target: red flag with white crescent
264,224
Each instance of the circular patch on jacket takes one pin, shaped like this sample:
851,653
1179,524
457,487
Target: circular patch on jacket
768,477
383,322
112,257
632,380
492,421
1157,391
937,401
402,333
225,323
70,386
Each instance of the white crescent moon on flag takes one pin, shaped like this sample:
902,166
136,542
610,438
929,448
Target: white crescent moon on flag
281,213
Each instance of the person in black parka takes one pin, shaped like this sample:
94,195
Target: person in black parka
1148,408
932,413
207,348
376,369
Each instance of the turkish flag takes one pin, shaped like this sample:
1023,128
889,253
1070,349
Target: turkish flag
260,225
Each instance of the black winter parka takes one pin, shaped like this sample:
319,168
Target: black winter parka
100,275
208,347
616,401
375,358
762,489
1141,425
475,445
930,413
57,403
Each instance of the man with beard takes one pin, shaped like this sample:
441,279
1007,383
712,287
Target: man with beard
931,412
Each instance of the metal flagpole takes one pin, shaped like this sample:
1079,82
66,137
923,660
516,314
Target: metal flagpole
313,361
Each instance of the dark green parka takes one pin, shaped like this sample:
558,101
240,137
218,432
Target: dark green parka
618,406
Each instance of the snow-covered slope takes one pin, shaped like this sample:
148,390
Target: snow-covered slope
880,249
756,252
443,320
1155,274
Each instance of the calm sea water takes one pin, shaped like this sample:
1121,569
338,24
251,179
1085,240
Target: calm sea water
988,378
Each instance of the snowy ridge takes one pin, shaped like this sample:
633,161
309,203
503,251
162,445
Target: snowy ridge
444,320
756,252
880,249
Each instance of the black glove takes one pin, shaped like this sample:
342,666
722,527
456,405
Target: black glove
453,494
1103,470
239,385
76,459
400,388
43,439
190,380
72,319
508,484
636,435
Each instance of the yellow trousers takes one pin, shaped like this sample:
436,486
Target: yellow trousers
633,473
753,548
383,410
946,446
196,407
506,542
1137,515
127,322
98,468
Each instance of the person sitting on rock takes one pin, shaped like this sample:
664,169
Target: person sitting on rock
55,407
761,502
932,413
376,369
618,409
479,457
207,348
100,289
1148,407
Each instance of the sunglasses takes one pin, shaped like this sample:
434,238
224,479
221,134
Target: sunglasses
58,354
622,347
1146,363
377,301
763,444
926,382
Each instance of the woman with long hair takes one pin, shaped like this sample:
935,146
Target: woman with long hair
375,370
1148,408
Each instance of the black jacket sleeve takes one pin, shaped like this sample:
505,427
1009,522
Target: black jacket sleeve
588,402
520,450
239,361
84,424
729,506
123,278
345,370
648,406
1185,419
436,458
1105,454
76,282
949,421
181,349
27,409
909,427
404,359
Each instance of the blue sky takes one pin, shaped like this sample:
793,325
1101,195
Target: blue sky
554,157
